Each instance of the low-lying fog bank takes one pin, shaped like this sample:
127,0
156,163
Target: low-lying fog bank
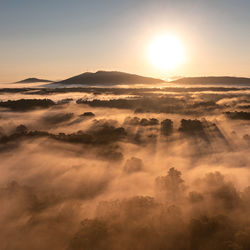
125,169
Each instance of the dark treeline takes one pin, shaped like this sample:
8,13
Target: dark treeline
106,135
27,104
17,90
103,140
156,105
238,115
148,103
106,132
56,118
44,91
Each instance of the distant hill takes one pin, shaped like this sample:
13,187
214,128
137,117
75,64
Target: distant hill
108,78
214,80
33,80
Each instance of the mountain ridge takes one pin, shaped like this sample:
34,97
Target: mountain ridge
33,80
109,78
214,80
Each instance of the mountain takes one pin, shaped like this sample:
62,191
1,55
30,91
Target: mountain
108,78
214,80
33,80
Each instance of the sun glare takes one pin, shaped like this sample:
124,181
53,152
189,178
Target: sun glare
166,52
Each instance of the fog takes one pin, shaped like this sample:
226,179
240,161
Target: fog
125,168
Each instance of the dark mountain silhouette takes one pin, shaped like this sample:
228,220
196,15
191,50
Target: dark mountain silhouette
108,78
214,80
33,80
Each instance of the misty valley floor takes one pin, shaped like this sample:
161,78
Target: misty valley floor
125,168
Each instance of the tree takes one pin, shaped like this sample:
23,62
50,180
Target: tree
170,186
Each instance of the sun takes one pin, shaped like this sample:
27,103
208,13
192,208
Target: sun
166,52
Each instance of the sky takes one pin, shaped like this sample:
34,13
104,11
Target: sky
56,39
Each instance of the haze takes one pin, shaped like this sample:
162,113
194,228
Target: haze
125,125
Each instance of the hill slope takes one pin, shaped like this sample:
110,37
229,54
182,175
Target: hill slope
33,80
108,78
214,80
